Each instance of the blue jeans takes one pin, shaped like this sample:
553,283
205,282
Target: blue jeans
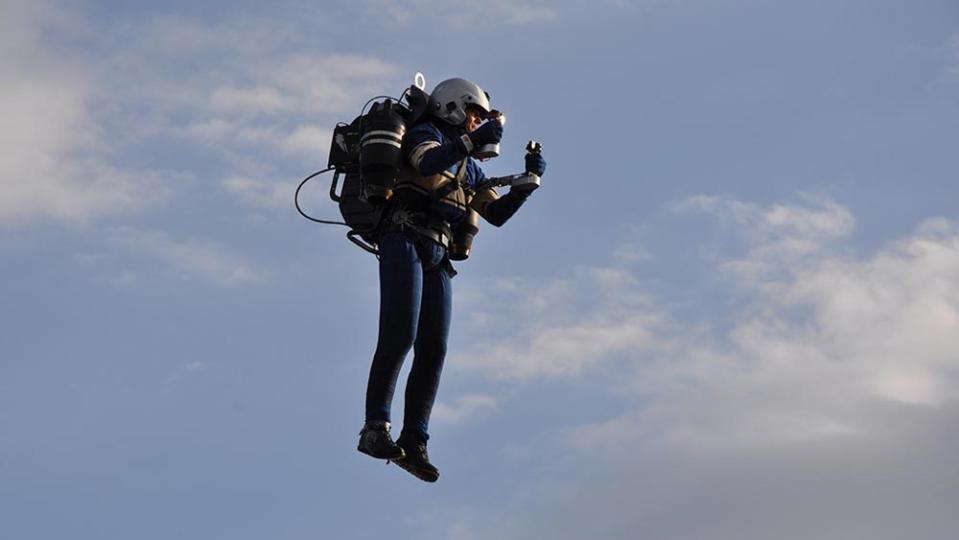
415,308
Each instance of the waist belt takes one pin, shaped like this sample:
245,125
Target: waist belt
429,227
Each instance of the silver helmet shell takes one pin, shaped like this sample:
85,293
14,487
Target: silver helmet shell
450,98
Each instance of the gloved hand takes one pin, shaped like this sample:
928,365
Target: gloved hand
490,132
535,163
535,167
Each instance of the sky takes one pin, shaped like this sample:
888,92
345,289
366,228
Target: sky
731,311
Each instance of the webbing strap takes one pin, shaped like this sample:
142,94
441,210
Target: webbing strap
453,184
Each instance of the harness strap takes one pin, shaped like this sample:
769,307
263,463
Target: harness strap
453,184
437,231
434,229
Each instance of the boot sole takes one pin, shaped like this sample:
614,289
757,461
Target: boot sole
401,455
422,474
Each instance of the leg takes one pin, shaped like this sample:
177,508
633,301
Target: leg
401,283
429,348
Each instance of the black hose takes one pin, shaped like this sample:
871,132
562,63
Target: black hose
296,200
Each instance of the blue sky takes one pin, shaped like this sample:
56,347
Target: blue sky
731,312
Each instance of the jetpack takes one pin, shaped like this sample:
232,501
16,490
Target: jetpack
366,156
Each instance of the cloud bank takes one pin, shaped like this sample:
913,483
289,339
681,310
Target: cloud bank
462,13
86,126
820,409
56,163
191,259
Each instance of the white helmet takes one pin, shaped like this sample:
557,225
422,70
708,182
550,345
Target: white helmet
450,98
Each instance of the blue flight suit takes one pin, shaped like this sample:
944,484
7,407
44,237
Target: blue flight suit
415,277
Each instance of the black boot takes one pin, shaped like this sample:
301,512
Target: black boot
375,441
416,462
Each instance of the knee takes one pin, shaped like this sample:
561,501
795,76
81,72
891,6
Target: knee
432,349
395,341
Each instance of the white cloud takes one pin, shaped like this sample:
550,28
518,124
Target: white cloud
265,86
260,193
564,327
463,408
191,259
817,332
72,116
186,370
632,253
820,220
565,350
253,99
826,391
300,85
953,51
55,165
307,140
285,106
463,13
775,234
334,84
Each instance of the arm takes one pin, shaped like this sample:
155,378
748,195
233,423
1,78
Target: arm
431,156
495,209
428,154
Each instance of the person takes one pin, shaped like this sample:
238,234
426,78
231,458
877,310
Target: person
434,196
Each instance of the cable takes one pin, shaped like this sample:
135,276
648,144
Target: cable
362,116
372,99
296,196
296,200
352,235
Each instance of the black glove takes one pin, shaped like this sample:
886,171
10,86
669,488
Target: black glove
535,167
489,133
535,163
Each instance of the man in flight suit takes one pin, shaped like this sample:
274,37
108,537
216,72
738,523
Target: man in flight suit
435,195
